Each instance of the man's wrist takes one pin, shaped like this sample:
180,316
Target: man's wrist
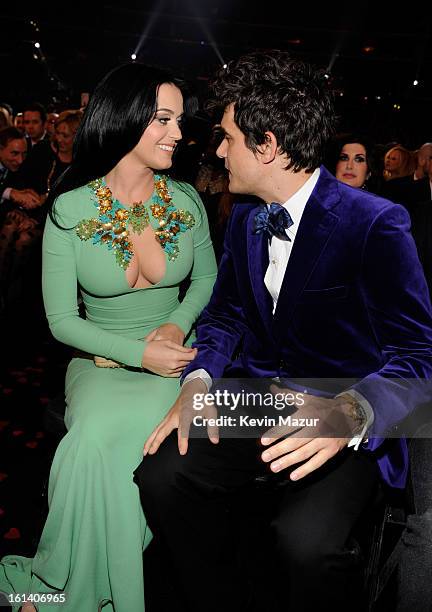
354,411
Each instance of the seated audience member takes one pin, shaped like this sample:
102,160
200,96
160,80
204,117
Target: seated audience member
306,288
424,155
93,540
35,123
353,159
398,163
66,126
19,123
13,151
17,229
49,159
412,190
5,120
399,167
50,125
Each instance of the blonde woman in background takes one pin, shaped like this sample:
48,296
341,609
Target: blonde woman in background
398,162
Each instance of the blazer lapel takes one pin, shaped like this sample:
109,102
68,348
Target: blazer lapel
258,260
317,224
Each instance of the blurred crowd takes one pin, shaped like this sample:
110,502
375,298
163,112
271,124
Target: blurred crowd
36,147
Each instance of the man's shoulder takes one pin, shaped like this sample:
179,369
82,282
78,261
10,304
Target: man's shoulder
366,205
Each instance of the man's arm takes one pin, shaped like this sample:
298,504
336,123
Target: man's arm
399,308
397,301
222,323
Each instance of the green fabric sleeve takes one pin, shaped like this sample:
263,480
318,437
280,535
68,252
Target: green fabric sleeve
59,285
203,272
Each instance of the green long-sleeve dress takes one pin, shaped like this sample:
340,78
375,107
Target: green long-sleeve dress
91,546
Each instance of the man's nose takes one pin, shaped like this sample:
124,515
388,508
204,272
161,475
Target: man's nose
221,150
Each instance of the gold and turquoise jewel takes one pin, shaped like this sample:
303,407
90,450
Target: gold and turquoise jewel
111,227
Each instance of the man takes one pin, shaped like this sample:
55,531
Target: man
13,151
411,190
35,123
424,156
17,229
328,285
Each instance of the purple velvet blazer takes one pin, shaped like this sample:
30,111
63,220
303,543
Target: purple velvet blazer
353,304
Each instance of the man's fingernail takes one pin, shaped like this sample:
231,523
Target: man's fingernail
265,440
276,466
294,476
266,456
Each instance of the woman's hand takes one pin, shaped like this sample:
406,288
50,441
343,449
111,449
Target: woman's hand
166,358
168,331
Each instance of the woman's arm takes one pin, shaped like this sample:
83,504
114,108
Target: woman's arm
203,272
59,285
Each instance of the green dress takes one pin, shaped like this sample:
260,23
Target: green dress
92,543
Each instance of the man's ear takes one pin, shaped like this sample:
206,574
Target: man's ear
268,149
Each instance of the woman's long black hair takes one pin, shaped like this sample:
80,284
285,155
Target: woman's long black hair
121,107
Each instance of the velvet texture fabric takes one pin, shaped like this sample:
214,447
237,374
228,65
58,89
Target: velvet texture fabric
353,304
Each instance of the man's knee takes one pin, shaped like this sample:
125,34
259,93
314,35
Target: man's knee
156,474
311,550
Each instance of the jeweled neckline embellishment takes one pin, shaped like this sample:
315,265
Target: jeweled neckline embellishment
111,227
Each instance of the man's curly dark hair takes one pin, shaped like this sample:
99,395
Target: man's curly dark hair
273,92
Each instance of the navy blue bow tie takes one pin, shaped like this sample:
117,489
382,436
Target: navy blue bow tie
273,221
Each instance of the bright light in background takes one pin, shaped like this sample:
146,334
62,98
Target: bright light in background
415,82
225,66
209,36
133,56
152,19
37,45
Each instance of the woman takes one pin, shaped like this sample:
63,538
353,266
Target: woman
398,163
66,126
353,161
127,235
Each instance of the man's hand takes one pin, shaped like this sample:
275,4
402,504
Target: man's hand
325,417
25,197
180,417
167,331
21,221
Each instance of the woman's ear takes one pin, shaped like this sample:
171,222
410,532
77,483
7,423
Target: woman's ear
268,149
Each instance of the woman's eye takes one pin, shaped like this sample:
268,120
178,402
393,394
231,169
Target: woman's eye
360,159
343,157
163,120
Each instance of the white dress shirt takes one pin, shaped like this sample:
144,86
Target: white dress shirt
279,254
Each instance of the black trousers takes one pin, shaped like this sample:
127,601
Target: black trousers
310,560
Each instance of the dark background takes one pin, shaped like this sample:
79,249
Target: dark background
373,50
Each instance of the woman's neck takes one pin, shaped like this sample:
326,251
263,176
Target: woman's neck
65,158
130,182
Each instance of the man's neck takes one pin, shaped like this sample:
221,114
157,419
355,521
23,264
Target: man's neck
36,140
281,187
